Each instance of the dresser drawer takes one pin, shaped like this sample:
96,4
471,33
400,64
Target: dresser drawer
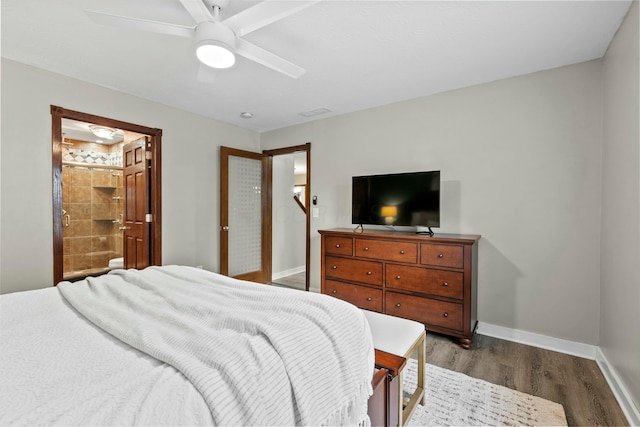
338,245
424,280
429,311
353,269
441,255
360,296
387,250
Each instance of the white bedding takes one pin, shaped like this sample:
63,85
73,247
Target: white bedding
58,368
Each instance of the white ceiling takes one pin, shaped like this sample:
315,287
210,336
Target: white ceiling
358,54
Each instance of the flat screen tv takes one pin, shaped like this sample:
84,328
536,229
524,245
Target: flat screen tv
402,199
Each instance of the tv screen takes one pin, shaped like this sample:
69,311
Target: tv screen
403,199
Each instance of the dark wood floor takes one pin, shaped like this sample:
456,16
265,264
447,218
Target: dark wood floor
575,383
294,281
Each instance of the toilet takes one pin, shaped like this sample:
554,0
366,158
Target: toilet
116,263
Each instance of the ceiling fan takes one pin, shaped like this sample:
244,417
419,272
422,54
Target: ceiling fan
218,40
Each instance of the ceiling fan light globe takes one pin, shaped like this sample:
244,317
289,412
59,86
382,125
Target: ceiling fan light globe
215,44
215,55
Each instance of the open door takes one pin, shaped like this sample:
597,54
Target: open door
137,219
245,215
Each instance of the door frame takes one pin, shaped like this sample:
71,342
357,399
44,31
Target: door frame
307,196
59,113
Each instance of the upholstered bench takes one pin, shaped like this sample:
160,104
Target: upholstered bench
401,337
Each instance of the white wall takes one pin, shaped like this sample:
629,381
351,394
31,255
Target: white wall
190,150
289,222
620,275
520,162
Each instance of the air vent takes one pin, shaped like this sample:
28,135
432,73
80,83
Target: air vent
315,112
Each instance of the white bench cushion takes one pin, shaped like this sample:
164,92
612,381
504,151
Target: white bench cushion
393,334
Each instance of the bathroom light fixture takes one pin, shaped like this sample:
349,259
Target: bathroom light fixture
215,44
246,115
102,131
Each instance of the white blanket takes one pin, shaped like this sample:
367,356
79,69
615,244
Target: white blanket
258,355
57,368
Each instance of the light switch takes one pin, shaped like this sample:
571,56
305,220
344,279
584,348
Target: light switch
315,212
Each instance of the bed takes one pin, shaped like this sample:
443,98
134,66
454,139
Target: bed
177,345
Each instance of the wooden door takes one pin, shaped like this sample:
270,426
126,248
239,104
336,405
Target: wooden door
245,215
137,219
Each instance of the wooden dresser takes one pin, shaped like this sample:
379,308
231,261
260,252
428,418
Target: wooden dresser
432,280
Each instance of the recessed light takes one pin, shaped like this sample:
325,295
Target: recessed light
246,115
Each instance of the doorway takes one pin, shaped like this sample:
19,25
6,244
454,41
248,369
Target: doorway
246,213
289,189
95,207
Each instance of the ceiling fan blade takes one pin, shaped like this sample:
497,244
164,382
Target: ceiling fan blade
206,74
264,13
198,10
140,24
268,59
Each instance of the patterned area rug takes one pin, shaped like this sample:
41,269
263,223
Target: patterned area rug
455,399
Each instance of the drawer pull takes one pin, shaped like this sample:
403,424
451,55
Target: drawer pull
445,284
366,249
440,255
398,305
368,273
334,291
338,245
369,299
335,267
398,277
401,252
445,314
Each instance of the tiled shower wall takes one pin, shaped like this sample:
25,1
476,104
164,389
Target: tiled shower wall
92,199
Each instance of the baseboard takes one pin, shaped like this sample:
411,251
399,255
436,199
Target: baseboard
586,351
621,393
541,341
281,274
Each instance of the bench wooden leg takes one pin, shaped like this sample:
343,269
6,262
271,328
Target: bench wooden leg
421,367
418,394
